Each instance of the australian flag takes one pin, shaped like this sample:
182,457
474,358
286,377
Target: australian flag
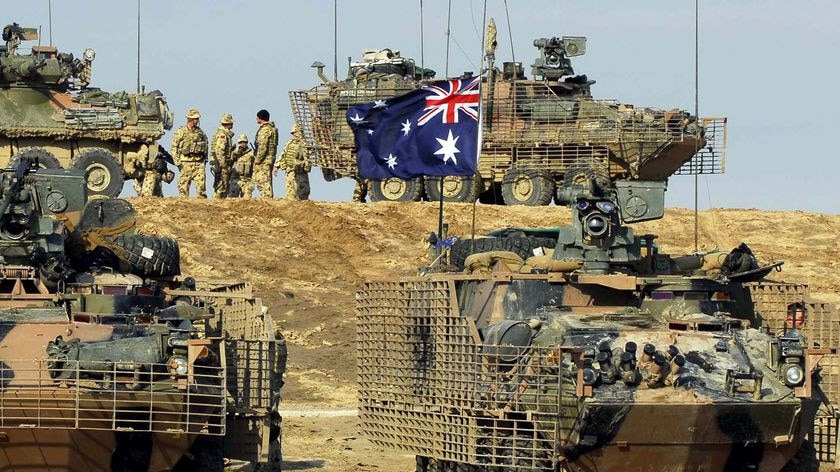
432,130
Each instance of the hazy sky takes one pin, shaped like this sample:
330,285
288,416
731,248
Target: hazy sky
771,67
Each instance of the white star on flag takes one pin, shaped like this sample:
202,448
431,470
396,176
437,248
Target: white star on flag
370,131
391,160
406,127
379,104
357,119
448,149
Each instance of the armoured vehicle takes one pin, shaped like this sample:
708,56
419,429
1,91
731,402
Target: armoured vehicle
596,351
112,360
535,129
49,110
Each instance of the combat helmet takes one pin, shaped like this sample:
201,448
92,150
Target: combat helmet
295,128
193,114
242,138
227,119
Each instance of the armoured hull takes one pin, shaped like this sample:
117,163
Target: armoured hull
525,370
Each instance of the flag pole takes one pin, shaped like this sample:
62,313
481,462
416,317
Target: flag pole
480,115
440,211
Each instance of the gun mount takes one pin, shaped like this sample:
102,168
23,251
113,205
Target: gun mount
45,65
598,237
554,62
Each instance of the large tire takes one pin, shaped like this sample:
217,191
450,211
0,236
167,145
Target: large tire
46,160
530,187
149,256
396,190
455,189
521,245
103,174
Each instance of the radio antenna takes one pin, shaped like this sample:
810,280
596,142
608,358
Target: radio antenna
138,46
49,14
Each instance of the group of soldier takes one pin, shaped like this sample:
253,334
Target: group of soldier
238,169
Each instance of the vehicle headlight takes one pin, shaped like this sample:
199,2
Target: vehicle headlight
178,365
793,375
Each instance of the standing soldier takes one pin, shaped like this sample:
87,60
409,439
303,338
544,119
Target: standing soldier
189,150
220,159
265,152
360,190
293,160
243,166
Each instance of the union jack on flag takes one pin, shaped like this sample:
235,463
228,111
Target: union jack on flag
459,95
432,130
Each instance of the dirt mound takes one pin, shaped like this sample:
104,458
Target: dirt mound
306,259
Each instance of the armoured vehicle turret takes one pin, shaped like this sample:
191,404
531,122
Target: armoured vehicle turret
110,359
591,350
49,110
535,129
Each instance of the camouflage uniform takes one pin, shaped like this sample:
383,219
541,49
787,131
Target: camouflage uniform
293,160
189,150
264,155
361,190
220,157
243,166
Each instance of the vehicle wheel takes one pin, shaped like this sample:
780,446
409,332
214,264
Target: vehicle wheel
521,245
455,189
207,455
103,174
531,187
46,160
396,190
149,256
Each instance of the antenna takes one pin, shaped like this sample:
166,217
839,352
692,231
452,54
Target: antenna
422,57
49,14
335,40
448,33
138,46
696,117
510,34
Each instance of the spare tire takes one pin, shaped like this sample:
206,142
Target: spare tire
103,174
150,256
523,246
46,160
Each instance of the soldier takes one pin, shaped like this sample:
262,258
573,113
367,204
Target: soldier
189,150
293,160
220,157
361,190
265,152
243,166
